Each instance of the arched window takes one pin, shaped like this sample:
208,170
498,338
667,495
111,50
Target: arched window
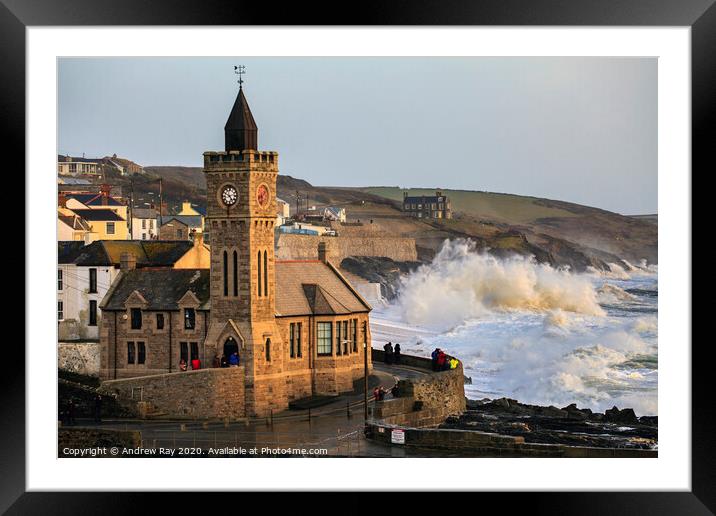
265,273
258,265
226,273
268,350
236,274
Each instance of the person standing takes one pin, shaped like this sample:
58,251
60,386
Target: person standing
182,365
195,364
388,348
234,359
434,356
441,360
224,362
396,354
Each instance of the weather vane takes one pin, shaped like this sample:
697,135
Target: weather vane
240,70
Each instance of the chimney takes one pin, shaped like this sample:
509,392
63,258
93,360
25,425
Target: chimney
62,200
323,252
104,189
405,194
438,193
127,262
198,238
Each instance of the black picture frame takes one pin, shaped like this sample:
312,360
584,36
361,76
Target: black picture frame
700,15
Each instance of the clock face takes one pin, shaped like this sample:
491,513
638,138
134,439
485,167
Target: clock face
229,195
262,195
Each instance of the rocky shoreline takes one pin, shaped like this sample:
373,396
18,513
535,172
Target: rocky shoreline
569,425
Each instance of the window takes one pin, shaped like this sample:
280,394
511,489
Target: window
226,273
268,350
354,334
59,279
60,310
292,340
93,280
265,273
299,327
110,228
339,348
345,337
179,234
93,312
144,223
141,353
258,265
151,223
236,274
144,236
130,352
194,350
324,335
160,321
184,351
136,318
189,318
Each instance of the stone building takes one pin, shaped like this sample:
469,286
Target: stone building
299,326
435,206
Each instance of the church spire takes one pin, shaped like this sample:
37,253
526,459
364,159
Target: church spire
240,131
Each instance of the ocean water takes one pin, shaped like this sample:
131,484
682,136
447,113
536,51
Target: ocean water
531,332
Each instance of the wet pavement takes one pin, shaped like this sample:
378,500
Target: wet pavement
334,430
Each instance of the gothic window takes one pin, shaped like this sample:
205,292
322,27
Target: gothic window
226,273
324,337
189,319
141,353
136,318
93,280
265,273
258,264
236,274
92,312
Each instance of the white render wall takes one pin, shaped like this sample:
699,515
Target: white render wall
150,229
75,297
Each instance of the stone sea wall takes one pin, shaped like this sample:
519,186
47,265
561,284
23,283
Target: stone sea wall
203,394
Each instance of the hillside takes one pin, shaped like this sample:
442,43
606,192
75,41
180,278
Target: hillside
555,232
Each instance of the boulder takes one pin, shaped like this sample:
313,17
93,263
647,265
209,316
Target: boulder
625,416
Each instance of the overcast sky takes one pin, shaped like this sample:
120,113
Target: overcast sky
575,129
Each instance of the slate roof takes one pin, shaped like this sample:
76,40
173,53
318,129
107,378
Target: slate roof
424,198
67,251
162,288
98,215
193,221
148,253
144,213
240,131
93,199
302,288
73,159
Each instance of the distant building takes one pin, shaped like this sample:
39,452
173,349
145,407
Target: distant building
72,166
334,213
125,166
188,209
86,273
283,211
71,227
180,227
144,224
436,206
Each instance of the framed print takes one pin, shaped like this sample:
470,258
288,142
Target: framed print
427,239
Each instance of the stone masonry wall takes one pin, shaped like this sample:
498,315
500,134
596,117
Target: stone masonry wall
202,394
305,247
426,401
79,357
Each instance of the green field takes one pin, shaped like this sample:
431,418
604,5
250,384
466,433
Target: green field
491,206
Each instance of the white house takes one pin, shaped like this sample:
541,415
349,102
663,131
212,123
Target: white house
144,224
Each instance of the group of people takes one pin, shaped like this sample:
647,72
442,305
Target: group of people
392,354
232,361
442,361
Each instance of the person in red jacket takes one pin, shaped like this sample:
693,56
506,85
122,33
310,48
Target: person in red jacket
441,360
195,364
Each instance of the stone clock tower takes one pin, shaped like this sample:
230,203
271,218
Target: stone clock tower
241,213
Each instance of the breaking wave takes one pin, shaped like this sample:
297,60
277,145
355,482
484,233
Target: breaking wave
461,284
